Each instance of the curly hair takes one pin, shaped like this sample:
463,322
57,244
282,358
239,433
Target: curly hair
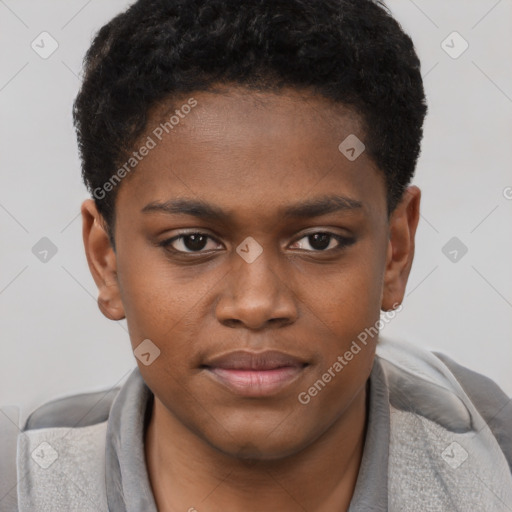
352,52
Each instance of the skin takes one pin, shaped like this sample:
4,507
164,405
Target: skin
253,154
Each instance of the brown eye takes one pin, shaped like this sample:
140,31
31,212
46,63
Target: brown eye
322,242
190,242
319,241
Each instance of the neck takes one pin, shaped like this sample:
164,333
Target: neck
186,473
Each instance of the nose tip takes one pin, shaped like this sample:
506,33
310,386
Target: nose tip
253,293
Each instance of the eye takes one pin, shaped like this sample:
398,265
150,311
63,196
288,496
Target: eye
323,241
190,243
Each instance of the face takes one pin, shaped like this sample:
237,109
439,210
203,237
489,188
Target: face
252,253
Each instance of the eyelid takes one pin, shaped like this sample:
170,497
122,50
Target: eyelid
182,234
343,241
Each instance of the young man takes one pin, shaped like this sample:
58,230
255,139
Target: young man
251,216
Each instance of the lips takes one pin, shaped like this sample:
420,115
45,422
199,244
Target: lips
261,361
255,374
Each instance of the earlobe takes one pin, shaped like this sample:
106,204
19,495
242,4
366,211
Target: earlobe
400,251
102,262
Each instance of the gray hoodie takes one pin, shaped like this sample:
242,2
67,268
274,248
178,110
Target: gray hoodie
86,452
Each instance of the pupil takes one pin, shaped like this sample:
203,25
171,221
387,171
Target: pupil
319,241
198,242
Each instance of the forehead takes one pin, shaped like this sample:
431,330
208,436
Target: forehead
254,148
230,115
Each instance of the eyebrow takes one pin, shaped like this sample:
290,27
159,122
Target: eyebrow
322,206
307,209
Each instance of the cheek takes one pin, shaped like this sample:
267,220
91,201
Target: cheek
348,328
159,308
159,299
348,340
349,298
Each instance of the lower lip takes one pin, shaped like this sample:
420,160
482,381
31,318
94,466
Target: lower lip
256,383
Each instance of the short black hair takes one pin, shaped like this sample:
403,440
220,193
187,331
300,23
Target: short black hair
352,52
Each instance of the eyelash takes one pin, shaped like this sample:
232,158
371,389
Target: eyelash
343,242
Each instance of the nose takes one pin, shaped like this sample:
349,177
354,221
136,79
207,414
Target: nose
255,296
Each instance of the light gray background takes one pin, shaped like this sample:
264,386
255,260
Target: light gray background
54,340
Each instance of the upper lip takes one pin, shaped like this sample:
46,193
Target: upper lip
246,360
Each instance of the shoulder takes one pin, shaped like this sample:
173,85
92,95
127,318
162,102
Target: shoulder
492,402
416,375
66,434
79,410
64,465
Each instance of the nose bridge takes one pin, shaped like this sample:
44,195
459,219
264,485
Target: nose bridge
255,273
254,292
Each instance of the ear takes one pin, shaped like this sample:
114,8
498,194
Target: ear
402,230
102,261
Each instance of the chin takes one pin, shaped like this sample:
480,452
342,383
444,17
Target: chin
258,447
